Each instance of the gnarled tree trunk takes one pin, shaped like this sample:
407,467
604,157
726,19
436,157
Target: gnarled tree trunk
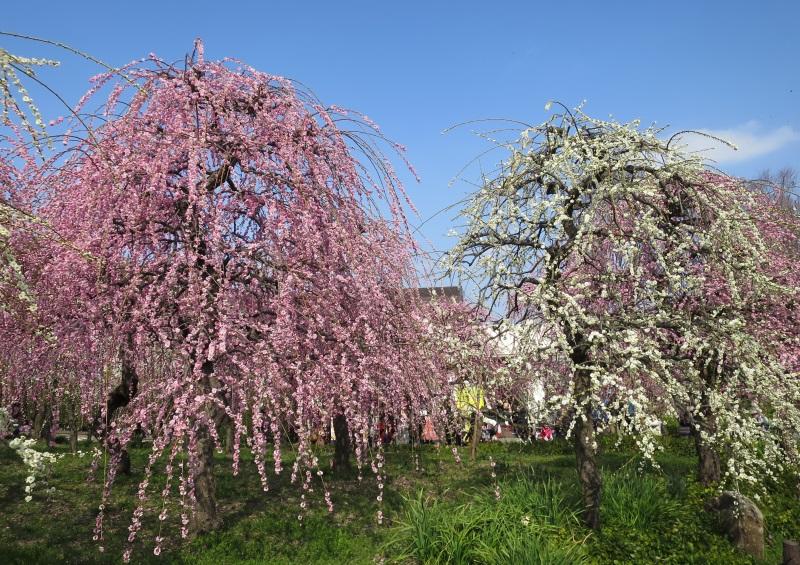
588,472
476,435
342,447
42,425
585,443
206,517
708,464
229,437
118,398
709,469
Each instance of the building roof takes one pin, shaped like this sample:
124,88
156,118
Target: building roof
428,293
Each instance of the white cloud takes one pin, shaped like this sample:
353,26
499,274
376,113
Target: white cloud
750,139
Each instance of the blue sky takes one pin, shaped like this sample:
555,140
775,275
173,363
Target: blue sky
417,68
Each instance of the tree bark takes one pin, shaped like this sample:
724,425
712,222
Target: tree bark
206,517
41,424
38,423
709,469
229,436
342,447
708,464
123,461
118,398
73,439
588,472
476,436
791,552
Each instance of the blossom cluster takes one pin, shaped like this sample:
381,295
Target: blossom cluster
38,463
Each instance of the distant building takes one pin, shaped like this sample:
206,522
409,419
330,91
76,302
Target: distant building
454,293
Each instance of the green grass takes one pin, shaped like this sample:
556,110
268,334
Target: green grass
530,523
443,513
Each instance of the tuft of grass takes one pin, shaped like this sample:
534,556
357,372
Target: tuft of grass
532,549
530,524
549,505
638,501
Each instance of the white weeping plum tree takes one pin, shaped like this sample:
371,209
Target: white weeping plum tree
628,273
14,101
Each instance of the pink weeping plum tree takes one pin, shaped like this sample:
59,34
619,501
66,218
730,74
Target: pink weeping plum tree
734,338
727,330
232,262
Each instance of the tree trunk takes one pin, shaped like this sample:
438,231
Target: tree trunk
588,473
124,461
38,422
791,552
118,398
476,436
41,424
229,437
708,464
342,448
709,470
73,439
205,518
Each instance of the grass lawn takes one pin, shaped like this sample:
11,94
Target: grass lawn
444,512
